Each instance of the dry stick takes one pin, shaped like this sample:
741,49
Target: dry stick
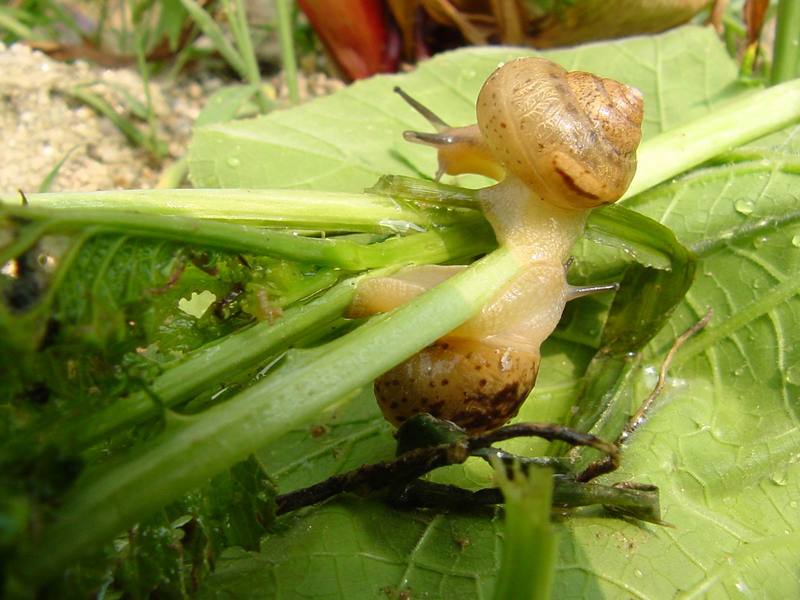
606,464
417,462
639,416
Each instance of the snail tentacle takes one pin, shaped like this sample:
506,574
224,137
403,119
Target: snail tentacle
430,116
589,290
460,149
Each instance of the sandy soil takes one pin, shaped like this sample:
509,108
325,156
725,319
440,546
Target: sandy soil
40,124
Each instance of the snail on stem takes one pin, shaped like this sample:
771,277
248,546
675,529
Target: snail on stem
560,143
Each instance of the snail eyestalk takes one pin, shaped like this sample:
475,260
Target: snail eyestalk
460,149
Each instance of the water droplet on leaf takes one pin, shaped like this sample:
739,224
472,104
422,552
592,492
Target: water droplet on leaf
742,587
744,206
779,478
796,241
233,162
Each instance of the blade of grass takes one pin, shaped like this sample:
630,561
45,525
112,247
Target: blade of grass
126,127
786,50
51,176
158,148
15,26
288,59
237,18
174,175
209,27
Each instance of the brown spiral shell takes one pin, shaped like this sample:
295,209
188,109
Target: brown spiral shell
571,136
473,384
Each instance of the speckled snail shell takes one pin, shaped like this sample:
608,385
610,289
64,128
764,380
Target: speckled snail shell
571,136
475,385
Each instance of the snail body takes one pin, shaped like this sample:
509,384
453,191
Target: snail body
560,143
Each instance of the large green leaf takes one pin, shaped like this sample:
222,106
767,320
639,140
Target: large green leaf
347,140
723,443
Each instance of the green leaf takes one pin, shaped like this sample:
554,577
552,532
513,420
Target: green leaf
723,442
355,548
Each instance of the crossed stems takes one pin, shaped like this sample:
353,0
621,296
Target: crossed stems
400,476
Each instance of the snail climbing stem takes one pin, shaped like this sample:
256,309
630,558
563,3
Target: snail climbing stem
559,143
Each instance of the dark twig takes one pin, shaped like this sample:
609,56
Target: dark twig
373,477
547,431
415,463
625,499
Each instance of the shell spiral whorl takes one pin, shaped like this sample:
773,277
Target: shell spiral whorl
571,136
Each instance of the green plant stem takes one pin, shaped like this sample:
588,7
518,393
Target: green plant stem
529,549
53,173
744,119
302,209
786,51
237,17
209,27
158,148
288,59
439,244
193,449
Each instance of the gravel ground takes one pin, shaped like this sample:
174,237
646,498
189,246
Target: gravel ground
40,124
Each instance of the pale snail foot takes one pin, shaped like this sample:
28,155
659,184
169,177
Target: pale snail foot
381,294
476,386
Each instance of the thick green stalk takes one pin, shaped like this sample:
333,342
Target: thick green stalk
436,245
288,59
196,448
786,51
529,549
661,158
300,209
744,119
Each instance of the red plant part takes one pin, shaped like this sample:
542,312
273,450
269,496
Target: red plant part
355,33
